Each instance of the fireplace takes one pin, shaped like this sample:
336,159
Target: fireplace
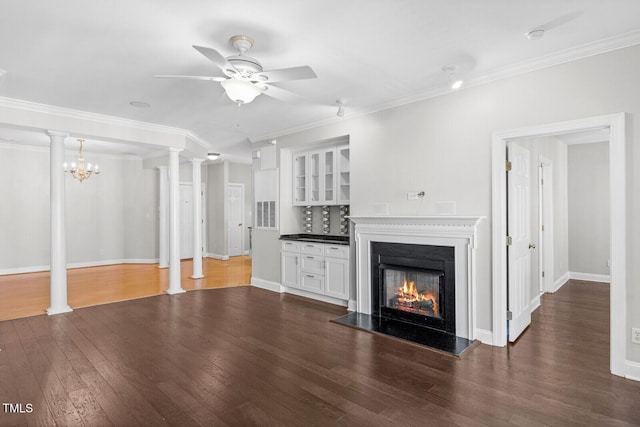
414,283
435,257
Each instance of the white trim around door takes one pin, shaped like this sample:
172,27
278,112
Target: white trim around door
617,143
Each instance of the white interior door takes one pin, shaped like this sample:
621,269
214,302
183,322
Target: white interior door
519,229
186,221
235,202
546,227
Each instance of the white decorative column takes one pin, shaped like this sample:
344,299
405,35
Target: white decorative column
174,222
58,244
162,220
197,218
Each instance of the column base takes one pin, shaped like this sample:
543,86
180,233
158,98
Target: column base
163,266
175,291
59,310
199,276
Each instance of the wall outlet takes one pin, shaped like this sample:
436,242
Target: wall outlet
412,195
635,335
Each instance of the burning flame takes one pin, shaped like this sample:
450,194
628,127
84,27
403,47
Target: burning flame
408,294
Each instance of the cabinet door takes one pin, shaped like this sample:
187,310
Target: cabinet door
337,278
291,269
328,169
312,283
314,179
344,175
300,180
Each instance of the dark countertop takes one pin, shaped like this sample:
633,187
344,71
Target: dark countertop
317,238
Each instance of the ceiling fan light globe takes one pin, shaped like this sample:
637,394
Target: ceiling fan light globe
241,91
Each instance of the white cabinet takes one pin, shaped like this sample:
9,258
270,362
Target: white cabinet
343,172
315,180
312,283
300,179
336,275
290,264
316,267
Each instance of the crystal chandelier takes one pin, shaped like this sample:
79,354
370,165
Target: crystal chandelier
79,170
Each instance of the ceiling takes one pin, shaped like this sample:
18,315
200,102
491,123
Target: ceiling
99,56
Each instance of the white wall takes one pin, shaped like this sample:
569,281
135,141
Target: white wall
216,195
589,228
443,146
24,215
109,217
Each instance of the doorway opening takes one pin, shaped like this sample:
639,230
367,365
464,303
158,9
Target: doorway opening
617,209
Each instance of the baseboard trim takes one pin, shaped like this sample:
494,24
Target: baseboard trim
266,284
317,297
632,370
589,277
561,281
70,266
484,336
535,303
218,256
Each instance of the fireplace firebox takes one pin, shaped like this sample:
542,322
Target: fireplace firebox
414,284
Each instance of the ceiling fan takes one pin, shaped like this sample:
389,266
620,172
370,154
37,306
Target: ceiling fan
245,78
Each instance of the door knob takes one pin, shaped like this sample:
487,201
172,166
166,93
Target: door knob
532,245
239,225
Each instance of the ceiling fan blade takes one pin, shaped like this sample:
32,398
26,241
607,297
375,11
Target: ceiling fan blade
282,94
210,78
294,73
217,58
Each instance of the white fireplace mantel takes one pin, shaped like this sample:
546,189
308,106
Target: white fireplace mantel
459,232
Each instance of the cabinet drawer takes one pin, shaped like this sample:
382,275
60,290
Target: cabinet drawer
289,246
312,264
336,251
312,283
311,249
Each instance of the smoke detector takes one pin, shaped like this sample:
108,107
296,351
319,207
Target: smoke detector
535,34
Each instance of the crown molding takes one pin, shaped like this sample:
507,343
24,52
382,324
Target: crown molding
100,118
586,50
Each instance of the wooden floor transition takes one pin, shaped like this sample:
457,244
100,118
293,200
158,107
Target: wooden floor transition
24,295
245,356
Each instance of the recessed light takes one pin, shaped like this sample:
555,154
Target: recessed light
273,142
139,104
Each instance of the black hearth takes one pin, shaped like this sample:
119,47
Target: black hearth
414,284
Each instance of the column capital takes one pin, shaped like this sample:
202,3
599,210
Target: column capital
175,149
58,133
162,167
196,161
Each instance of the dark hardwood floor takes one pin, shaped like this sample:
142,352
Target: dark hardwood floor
245,356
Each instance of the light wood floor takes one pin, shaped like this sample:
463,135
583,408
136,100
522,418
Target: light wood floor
245,356
24,295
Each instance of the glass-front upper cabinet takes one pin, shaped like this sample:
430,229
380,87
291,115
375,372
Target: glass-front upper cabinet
321,177
315,193
344,175
300,179
329,180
